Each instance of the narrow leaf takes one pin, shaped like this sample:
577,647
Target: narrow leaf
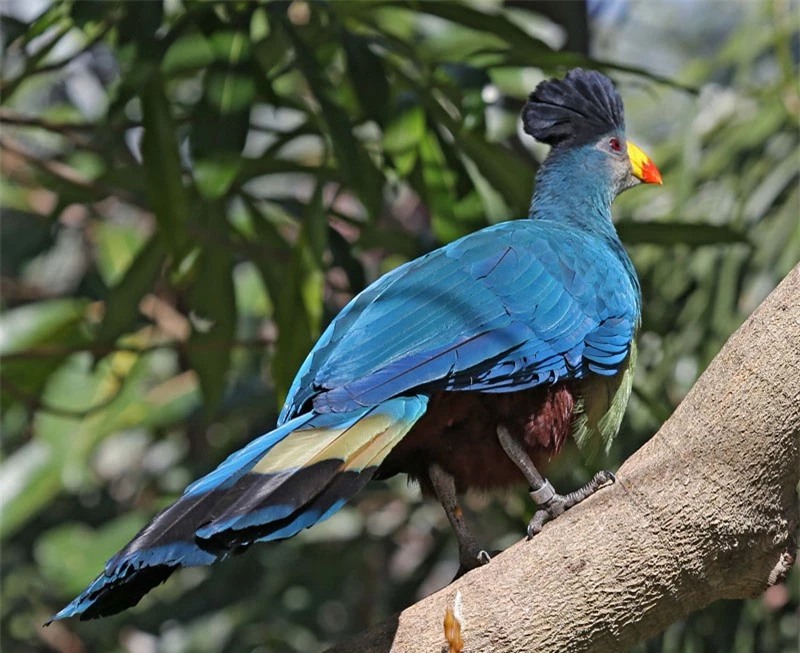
678,233
295,292
368,77
122,303
357,168
162,165
213,305
58,323
222,118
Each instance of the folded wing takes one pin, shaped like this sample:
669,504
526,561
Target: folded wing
509,307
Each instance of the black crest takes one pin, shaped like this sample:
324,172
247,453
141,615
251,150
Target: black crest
579,108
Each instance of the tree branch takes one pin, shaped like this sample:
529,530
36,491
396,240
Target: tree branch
9,86
73,132
707,509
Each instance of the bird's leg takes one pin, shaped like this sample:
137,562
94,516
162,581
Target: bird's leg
551,504
444,486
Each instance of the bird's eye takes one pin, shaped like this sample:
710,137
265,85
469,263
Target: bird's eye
616,146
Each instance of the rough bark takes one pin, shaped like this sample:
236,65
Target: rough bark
707,509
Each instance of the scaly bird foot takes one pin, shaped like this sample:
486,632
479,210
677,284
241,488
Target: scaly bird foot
552,504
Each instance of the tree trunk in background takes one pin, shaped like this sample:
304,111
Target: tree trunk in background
706,510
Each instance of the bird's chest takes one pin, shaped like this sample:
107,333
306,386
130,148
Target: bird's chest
459,432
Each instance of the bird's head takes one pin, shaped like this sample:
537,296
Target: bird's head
582,117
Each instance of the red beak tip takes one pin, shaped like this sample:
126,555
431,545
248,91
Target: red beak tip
651,174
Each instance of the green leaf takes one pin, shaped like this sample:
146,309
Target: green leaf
368,77
559,61
117,244
122,303
140,24
231,46
306,284
68,555
494,207
497,164
392,240
269,165
464,47
230,91
222,119
437,185
271,51
162,165
251,295
130,176
295,288
59,456
678,233
188,53
88,164
259,25
496,24
54,323
212,301
23,234
500,167
43,322
315,227
54,16
166,404
357,168
404,133
217,140
29,479
214,176
523,49
13,28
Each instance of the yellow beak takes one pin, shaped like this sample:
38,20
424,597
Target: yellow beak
643,167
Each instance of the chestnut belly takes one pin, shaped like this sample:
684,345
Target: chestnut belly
459,433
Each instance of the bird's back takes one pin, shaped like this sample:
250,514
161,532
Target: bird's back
509,307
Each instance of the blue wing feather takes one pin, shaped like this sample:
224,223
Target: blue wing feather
236,505
514,305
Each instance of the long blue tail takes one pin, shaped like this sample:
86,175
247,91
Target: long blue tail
287,480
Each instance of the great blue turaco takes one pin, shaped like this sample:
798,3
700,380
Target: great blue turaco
468,367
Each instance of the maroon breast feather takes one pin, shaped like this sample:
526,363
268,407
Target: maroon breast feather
459,433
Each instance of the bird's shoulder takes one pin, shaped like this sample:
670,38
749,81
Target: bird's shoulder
593,269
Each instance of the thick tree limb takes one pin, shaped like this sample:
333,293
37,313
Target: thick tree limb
707,509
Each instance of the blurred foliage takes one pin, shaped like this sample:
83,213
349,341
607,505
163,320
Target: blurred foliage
191,190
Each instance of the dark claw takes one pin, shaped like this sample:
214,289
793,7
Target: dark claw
466,566
606,476
560,504
556,506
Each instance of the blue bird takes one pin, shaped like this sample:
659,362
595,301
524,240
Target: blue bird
465,368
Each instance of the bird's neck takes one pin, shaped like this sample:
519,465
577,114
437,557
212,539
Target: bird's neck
569,190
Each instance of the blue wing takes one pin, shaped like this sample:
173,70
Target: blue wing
505,308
